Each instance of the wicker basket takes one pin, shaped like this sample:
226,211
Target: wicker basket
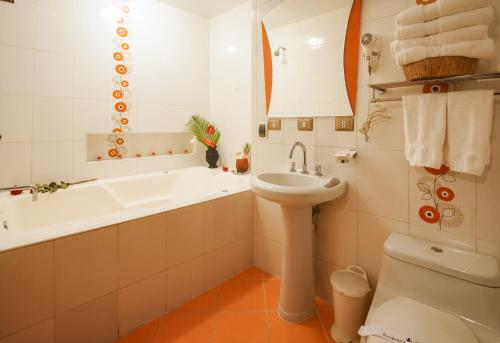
445,66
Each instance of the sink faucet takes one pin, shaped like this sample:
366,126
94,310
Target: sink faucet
33,189
296,144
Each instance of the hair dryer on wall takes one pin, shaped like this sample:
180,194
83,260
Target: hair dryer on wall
371,51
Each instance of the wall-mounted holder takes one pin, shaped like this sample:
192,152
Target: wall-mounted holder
10,1
372,46
345,156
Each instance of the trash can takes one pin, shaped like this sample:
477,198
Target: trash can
350,303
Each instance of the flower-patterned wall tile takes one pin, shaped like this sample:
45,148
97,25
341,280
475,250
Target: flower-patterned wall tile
443,201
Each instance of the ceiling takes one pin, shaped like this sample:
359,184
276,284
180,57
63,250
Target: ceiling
205,8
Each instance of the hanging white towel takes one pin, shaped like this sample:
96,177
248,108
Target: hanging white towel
481,16
478,32
472,49
441,8
470,121
425,129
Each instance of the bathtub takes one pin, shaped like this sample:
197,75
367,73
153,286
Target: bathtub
107,202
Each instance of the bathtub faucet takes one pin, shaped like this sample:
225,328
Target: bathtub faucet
303,147
33,189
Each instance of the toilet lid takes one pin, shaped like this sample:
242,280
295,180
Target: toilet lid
404,318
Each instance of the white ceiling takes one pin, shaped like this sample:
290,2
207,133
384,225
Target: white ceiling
205,8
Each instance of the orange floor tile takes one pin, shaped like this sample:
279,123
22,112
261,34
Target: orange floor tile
241,310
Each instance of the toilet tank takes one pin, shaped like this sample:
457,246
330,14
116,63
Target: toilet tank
459,282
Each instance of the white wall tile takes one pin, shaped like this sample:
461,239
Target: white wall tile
440,236
53,74
336,236
328,137
16,117
270,157
383,184
17,24
292,134
16,70
52,161
16,162
54,31
91,116
52,119
376,9
268,255
269,220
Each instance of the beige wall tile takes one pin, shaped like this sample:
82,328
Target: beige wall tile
323,273
244,212
185,234
95,321
43,332
243,254
142,248
141,303
184,282
219,223
336,236
219,266
269,220
86,267
372,232
26,287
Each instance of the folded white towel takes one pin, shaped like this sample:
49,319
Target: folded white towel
472,49
425,128
441,8
470,121
481,16
449,37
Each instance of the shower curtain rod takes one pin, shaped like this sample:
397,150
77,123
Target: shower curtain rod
374,100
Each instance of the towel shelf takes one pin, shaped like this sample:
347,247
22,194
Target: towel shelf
381,88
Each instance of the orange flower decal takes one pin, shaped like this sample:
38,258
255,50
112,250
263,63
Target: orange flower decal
425,2
121,69
112,153
125,46
117,130
124,121
126,9
429,214
118,56
445,194
121,107
441,171
122,32
120,141
117,94
125,83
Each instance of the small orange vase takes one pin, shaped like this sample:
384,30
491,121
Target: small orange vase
242,165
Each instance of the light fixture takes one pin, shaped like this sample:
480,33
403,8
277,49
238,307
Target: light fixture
316,42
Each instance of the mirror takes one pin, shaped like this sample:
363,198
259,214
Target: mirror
310,57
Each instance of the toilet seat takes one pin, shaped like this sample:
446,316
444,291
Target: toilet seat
406,318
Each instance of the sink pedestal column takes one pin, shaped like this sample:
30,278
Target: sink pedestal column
297,273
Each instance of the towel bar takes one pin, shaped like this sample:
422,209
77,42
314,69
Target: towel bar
383,87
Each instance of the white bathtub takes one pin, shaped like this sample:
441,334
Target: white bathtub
106,202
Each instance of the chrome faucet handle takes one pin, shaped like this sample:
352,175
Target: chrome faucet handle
317,170
292,167
304,170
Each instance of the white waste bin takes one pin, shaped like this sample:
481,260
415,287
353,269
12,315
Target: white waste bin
350,303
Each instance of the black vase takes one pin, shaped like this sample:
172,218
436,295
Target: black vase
212,157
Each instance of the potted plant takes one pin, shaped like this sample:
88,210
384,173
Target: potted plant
207,134
242,164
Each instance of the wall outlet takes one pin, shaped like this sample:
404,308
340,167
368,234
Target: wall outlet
274,124
305,124
344,123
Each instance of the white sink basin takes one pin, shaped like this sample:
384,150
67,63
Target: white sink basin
296,189
297,193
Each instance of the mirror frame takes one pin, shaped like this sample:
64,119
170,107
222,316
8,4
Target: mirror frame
351,57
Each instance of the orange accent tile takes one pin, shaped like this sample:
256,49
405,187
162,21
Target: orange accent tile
181,326
244,327
242,295
272,288
252,273
327,319
143,334
309,331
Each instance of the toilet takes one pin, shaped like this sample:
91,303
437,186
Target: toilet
433,293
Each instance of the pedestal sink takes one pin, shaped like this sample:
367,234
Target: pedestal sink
297,194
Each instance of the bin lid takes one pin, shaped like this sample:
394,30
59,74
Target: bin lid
411,321
351,282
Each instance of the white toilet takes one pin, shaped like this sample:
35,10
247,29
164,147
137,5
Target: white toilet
433,293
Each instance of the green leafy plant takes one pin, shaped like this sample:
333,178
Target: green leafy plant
204,131
54,186
246,149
